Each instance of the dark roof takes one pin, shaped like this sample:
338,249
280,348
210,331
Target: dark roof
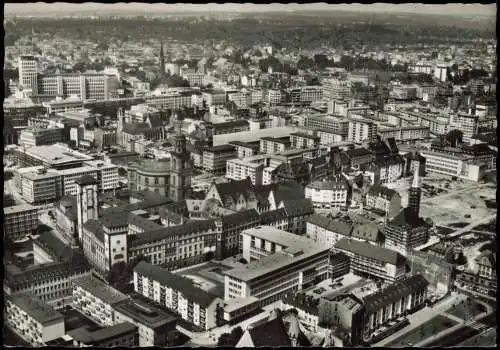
388,160
336,226
84,335
156,120
298,207
86,180
407,219
54,246
135,128
220,148
240,218
283,140
95,226
369,231
146,314
233,189
179,283
391,143
383,191
113,220
231,124
369,250
357,152
36,308
270,334
272,216
99,289
394,292
145,224
172,231
289,190
70,207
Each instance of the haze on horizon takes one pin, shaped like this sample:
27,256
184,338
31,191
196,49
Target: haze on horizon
61,8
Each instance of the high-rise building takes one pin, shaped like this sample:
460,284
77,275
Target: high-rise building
87,203
28,73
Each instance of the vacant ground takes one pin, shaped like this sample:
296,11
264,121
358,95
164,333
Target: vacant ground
429,328
486,339
467,310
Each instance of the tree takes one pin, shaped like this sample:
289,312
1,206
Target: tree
454,137
230,339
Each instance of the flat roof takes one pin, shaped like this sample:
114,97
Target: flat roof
82,169
18,209
233,304
251,136
36,308
246,162
143,313
56,154
294,243
35,175
85,336
100,289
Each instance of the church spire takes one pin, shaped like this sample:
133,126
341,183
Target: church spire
162,59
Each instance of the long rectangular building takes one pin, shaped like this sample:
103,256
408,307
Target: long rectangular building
20,221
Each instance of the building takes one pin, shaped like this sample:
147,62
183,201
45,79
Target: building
328,193
328,137
178,294
246,149
307,94
240,169
40,136
59,105
371,261
214,97
466,123
407,133
28,73
396,300
272,145
105,138
280,263
230,127
57,156
153,324
438,272
122,334
336,89
20,221
383,199
38,322
357,158
96,299
171,99
454,164
483,279
215,158
40,186
361,130
234,195
337,124
195,79
273,97
303,140
150,175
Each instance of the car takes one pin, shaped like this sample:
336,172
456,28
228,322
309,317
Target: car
467,216
473,207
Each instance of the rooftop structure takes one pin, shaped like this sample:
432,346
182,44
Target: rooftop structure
100,290
37,309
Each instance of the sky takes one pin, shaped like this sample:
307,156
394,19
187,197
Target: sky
61,7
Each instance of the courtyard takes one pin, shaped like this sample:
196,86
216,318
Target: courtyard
467,310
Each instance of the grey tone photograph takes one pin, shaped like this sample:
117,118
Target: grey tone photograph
249,175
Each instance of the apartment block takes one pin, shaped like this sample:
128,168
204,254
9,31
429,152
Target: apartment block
303,140
215,158
360,131
20,221
328,193
270,145
239,169
40,136
122,334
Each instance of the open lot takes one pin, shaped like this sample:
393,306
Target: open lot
429,328
486,339
73,319
206,276
467,310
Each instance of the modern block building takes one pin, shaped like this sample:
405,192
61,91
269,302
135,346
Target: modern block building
35,136
20,221
361,130
240,169
178,294
122,334
215,158
329,193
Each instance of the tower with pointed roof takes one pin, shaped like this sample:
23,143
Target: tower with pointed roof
181,167
414,195
162,59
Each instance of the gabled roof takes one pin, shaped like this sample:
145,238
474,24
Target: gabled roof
298,207
366,249
239,218
232,190
176,282
272,216
369,232
336,226
270,334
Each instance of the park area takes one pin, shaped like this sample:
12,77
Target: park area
485,339
422,332
467,310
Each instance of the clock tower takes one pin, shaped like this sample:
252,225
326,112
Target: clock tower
181,167
87,203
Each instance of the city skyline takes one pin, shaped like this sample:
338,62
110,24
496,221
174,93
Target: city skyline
61,7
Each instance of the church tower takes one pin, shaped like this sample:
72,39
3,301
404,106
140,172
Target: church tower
162,60
414,195
87,204
181,167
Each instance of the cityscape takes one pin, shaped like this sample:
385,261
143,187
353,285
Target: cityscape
250,175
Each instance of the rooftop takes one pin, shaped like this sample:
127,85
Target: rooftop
18,209
56,154
368,250
85,336
143,313
36,308
100,290
149,165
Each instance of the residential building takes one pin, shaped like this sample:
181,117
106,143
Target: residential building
172,99
240,169
153,324
450,164
303,140
361,130
336,124
215,158
408,133
328,193
38,322
336,89
273,97
195,79
234,195
20,221
438,272
307,94
383,199
280,263
122,334
40,136
483,278
178,294
328,137
28,72
214,97
229,127
466,123
246,149
96,299
271,145
372,261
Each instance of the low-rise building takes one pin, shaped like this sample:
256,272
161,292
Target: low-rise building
384,199
123,334
178,294
372,261
20,221
37,322
329,193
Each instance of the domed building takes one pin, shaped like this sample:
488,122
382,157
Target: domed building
150,175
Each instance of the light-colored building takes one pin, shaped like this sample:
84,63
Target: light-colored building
28,72
336,124
383,199
122,334
273,97
41,186
361,130
373,261
178,294
331,193
280,263
466,123
460,165
408,133
20,221
38,322
328,137
240,169
303,140
271,145
68,177
215,158
40,136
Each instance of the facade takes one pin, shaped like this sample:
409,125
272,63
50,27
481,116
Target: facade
280,263
38,322
383,199
150,175
239,169
20,221
28,73
40,136
215,158
466,123
246,149
460,165
122,334
328,137
40,186
303,140
178,294
372,261
273,97
331,193
214,98
361,131
272,145
408,133
336,124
